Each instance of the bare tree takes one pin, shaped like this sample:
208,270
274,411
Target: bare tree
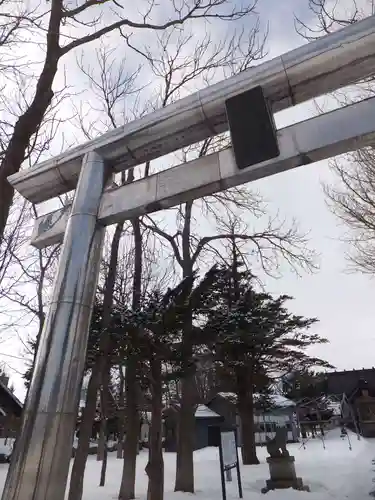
352,197
62,27
104,396
111,90
20,264
127,487
111,84
17,21
179,69
13,242
352,200
206,57
331,16
30,274
98,377
142,279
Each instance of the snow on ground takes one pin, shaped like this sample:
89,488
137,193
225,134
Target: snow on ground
332,473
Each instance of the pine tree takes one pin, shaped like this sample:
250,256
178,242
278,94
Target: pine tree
254,338
159,323
305,384
31,344
93,340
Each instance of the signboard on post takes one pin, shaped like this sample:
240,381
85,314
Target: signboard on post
228,444
228,452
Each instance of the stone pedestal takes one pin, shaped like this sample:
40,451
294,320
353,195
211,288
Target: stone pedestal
283,475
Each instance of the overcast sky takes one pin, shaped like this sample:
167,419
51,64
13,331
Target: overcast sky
343,302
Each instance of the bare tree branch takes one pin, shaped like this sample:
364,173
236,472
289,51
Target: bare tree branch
330,16
352,199
171,239
90,22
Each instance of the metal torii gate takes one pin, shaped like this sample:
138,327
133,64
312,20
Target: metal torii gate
40,463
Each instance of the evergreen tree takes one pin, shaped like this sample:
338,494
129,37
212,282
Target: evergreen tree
93,340
159,324
29,369
309,384
254,338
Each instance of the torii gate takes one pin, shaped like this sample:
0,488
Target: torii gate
40,462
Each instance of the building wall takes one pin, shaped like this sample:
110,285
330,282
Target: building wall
202,433
265,427
10,413
9,405
347,381
265,423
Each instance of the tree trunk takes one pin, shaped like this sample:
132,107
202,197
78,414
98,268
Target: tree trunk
246,412
85,432
121,415
127,487
186,421
104,426
121,436
185,437
28,123
103,471
102,440
186,418
76,479
155,467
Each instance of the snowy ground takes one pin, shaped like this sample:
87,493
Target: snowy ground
332,473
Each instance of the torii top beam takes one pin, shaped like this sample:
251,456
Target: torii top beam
309,71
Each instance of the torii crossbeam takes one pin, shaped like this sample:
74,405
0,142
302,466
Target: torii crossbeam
40,463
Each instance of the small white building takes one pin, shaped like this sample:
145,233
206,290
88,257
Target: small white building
280,414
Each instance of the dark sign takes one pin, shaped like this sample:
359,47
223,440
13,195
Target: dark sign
228,452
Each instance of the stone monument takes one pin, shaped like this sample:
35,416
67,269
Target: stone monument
281,465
